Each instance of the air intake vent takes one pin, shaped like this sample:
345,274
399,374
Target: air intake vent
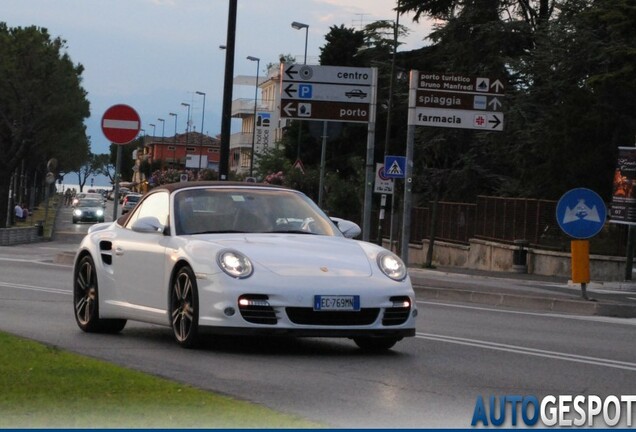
399,313
308,316
255,308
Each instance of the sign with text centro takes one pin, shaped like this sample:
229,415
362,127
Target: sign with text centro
121,124
333,93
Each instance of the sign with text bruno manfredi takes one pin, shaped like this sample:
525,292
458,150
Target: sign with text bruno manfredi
623,206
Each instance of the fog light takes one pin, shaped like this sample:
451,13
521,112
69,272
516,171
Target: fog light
229,311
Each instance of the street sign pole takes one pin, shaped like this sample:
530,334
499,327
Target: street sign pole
120,125
370,174
323,161
117,176
408,182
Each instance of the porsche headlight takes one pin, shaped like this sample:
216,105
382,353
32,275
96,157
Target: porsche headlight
77,212
392,266
234,263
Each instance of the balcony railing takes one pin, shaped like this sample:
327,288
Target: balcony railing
240,139
245,107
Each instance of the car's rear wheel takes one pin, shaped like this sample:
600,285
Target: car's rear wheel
184,308
375,344
85,300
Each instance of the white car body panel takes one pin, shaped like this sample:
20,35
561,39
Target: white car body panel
134,271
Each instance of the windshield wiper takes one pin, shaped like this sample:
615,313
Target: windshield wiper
292,232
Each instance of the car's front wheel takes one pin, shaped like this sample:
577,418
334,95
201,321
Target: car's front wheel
184,308
375,344
85,300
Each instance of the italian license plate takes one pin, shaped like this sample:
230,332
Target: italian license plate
337,303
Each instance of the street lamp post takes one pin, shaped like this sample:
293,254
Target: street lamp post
174,151
202,118
163,133
299,26
153,129
187,105
258,62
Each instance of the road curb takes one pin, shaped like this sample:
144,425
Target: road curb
64,258
528,302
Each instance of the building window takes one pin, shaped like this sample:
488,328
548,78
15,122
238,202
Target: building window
171,148
190,149
213,150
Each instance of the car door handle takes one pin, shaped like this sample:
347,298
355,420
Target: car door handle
119,251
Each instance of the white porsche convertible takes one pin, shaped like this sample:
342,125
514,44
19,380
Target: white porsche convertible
240,258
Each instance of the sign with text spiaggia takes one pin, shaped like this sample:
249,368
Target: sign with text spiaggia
457,101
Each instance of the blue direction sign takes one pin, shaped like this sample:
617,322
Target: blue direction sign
581,213
395,167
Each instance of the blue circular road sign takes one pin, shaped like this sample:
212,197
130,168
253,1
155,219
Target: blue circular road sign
581,213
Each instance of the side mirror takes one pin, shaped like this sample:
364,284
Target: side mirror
148,224
347,228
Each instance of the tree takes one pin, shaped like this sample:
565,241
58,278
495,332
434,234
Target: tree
42,107
105,166
91,167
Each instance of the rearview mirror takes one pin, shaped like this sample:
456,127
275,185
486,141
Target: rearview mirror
347,228
147,224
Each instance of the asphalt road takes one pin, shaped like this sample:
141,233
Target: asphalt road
460,352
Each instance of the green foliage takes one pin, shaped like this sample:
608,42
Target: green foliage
42,108
342,46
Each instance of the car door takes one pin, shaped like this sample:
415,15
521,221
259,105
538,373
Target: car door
140,262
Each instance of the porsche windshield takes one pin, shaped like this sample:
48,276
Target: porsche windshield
248,210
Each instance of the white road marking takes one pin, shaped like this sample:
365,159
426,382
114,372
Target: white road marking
530,351
36,288
605,319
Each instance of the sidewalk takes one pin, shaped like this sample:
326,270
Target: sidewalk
495,289
524,291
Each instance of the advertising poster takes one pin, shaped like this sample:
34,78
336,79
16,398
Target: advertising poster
623,206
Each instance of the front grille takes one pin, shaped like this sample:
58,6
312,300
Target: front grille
255,308
308,316
397,315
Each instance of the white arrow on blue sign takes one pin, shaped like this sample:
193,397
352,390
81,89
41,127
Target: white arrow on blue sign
581,213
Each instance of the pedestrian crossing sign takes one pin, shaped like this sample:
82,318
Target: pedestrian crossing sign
395,167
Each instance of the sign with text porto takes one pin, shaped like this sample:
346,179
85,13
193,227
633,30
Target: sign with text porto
581,213
121,124
333,93
457,101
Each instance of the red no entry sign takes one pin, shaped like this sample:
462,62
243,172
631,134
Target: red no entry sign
121,124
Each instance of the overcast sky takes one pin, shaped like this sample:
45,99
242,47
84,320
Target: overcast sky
155,54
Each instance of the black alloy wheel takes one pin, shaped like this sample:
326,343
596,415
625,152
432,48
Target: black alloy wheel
85,301
184,308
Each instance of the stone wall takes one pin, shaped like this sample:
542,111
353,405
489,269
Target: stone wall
499,257
11,236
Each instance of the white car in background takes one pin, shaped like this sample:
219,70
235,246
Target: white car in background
243,259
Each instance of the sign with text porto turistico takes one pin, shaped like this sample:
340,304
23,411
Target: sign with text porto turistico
457,101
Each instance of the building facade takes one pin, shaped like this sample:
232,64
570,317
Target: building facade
261,127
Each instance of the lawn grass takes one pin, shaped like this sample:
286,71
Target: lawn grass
44,387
